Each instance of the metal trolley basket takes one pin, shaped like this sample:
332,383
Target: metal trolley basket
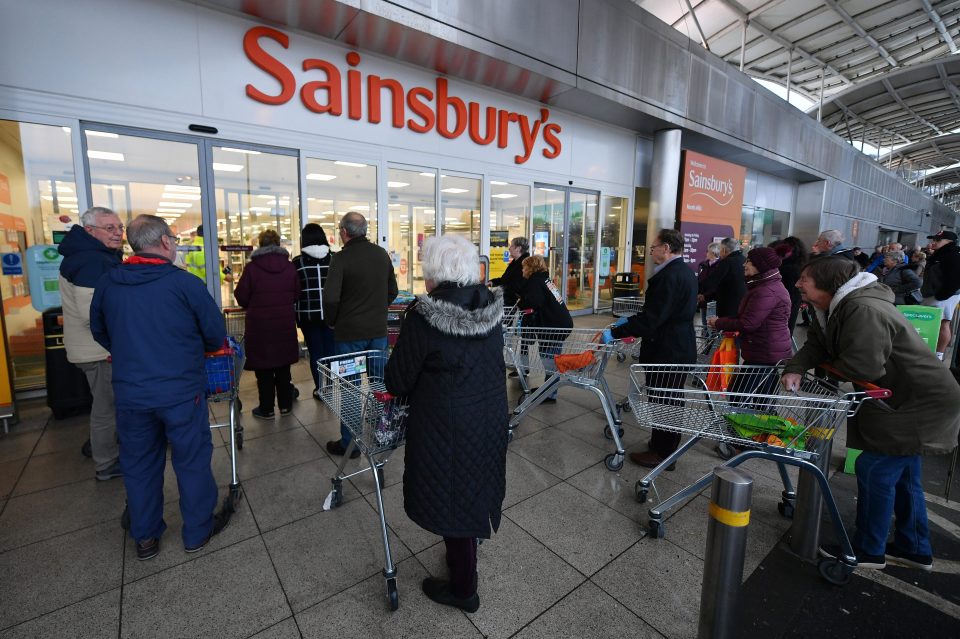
514,352
806,419
627,306
570,357
223,369
353,389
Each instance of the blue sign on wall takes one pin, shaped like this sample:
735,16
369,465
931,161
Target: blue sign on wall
12,264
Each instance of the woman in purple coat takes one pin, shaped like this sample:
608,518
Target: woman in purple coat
268,290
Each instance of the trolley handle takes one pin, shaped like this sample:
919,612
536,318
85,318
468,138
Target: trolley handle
872,390
526,311
383,396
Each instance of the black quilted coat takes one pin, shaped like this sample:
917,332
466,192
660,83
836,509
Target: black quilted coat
448,362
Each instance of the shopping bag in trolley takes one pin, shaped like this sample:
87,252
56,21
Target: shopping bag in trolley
219,366
724,359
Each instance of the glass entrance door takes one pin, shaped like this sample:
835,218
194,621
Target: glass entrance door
565,233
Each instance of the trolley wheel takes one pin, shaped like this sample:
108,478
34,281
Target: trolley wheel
621,357
392,594
509,435
623,406
337,494
609,434
236,493
642,492
786,509
239,439
614,461
239,405
835,571
655,527
125,518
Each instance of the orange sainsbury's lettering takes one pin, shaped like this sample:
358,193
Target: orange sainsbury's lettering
431,109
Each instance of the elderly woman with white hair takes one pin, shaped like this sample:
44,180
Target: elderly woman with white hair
448,362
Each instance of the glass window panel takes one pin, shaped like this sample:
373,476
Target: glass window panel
509,218
411,218
336,187
548,230
460,207
38,203
581,251
255,191
613,242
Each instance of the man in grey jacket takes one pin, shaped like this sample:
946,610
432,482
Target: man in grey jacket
360,286
89,250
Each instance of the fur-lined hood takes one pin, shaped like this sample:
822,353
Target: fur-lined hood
270,248
470,311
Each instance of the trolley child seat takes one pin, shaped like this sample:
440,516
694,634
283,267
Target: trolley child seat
353,388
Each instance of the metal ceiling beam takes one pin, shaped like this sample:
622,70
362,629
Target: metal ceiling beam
938,23
733,26
949,86
703,38
893,94
864,124
786,44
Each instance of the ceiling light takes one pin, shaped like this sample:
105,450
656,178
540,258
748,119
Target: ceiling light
74,210
230,168
321,177
64,189
65,129
360,207
266,197
498,183
397,185
453,190
47,197
543,188
261,209
426,174
504,196
429,212
107,155
345,163
185,205
181,189
616,208
177,211
591,203
101,134
114,187
181,196
232,150
66,198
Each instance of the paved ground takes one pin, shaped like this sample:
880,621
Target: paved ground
572,558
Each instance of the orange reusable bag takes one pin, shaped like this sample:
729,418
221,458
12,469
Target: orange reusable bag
573,361
721,367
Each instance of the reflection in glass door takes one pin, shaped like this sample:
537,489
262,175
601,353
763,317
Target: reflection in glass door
412,217
565,232
613,236
255,191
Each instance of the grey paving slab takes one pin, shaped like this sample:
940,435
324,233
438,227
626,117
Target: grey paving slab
18,444
590,427
254,428
557,452
362,611
292,493
660,582
518,579
323,554
588,612
276,451
9,473
524,478
64,435
54,469
584,532
49,513
97,617
286,629
241,527
618,490
392,471
562,410
230,593
49,575
413,536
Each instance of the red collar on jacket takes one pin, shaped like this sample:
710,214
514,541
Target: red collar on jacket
143,259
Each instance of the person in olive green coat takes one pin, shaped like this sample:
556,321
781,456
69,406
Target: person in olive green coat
859,331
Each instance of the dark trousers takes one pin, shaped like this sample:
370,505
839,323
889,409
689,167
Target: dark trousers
274,382
319,339
664,442
143,455
462,562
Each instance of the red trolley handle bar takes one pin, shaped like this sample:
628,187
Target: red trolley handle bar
526,311
873,391
233,309
383,396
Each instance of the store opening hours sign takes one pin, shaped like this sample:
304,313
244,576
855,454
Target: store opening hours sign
711,203
335,88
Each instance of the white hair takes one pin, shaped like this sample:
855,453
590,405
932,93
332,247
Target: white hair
832,237
451,258
91,215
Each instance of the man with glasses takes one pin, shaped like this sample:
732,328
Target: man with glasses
158,321
89,250
665,326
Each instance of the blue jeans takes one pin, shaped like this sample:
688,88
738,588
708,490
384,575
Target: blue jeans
341,348
890,485
320,344
143,455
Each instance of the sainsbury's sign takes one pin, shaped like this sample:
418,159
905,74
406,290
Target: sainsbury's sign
431,109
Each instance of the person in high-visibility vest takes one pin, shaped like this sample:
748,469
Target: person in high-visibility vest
195,260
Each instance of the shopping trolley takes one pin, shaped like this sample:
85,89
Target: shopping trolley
571,357
514,353
236,319
627,306
787,427
353,389
223,369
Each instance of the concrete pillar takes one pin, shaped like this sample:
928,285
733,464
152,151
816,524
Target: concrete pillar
664,178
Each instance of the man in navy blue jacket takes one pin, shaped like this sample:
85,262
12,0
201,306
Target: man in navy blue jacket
157,321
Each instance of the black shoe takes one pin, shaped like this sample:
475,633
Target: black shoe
316,395
111,473
513,374
912,560
295,392
549,400
148,548
220,521
262,414
285,411
438,590
86,450
334,447
833,551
